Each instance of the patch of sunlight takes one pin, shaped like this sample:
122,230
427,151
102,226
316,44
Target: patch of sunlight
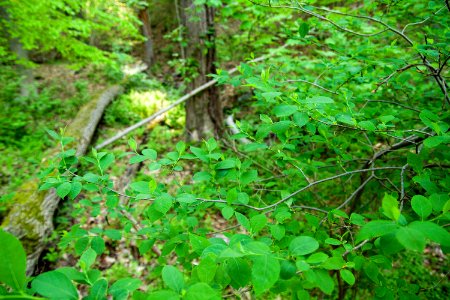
146,103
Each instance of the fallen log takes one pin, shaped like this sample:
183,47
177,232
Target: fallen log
31,217
175,104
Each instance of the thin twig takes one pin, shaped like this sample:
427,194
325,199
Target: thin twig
355,248
312,83
355,192
387,78
396,103
402,185
423,21
302,189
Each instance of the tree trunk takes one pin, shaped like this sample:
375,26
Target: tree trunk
146,30
27,87
204,116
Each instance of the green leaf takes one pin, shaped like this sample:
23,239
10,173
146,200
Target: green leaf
389,244
303,245
347,276
333,263
367,125
186,198
53,134
331,241
162,295
265,119
12,261
126,285
239,271
243,220
132,143
142,187
411,239
106,161
302,265
284,110
375,229
88,258
98,244
226,164
248,177
346,119
301,119
318,100
432,231
277,231
280,127
303,29
202,176
206,269
201,291
54,285
198,243
227,212
81,245
75,189
98,290
371,270
390,207
173,278
421,206
63,189
137,159
435,141
200,154
317,258
324,281
287,269
150,154
258,222
113,234
163,203
265,272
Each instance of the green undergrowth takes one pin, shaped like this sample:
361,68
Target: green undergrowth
24,120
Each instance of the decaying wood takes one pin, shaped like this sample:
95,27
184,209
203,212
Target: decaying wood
175,104
31,217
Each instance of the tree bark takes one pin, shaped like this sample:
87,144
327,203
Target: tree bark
204,115
146,30
27,86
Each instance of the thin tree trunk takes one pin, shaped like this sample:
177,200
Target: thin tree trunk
146,30
26,82
180,32
204,115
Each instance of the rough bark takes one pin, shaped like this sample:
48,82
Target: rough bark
31,217
204,115
146,31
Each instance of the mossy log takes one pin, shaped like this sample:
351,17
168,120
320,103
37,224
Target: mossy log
31,217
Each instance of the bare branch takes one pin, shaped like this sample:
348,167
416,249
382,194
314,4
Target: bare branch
355,248
396,103
314,84
387,78
362,185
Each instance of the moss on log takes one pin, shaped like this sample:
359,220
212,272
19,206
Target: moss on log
31,217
